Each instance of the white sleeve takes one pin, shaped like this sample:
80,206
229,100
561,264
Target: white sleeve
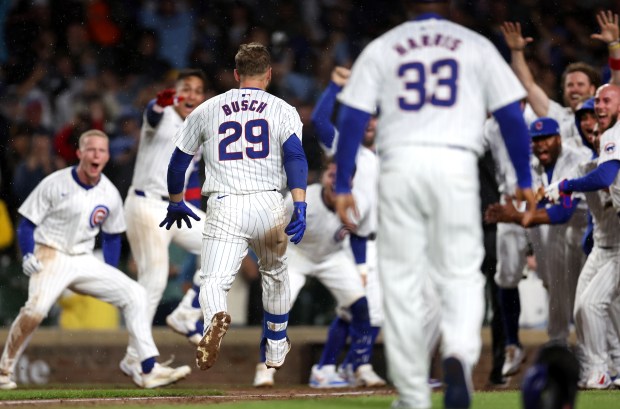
501,85
115,222
292,124
609,149
188,137
363,88
38,203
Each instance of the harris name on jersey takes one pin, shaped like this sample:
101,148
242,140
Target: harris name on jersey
434,40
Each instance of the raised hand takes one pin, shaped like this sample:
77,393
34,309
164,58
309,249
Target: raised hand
608,23
297,225
340,75
514,38
167,97
178,212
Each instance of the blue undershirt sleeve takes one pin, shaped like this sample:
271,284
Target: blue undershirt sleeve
516,136
179,162
153,117
111,246
558,214
597,179
321,115
358,247
351,124
25,236
295,163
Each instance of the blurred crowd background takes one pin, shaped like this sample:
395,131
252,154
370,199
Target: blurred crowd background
70,65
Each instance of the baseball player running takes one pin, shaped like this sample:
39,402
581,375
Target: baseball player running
251,142
61,219
434,91
147,199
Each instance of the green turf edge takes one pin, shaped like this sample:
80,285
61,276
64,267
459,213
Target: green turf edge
38,394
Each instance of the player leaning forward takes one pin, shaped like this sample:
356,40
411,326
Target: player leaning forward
251,142
61,219
435,81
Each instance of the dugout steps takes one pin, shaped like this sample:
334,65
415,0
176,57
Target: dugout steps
58,356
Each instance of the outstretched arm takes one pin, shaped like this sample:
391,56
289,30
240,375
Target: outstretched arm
321,115
608,23
516,42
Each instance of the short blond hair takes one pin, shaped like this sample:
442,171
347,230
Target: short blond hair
252,59
89,133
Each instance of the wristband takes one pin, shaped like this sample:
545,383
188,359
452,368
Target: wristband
614,45
614,63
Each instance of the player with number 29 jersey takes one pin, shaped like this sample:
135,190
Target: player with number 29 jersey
236,128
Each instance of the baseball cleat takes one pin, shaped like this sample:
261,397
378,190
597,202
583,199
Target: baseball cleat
457,392
275,352
209,347
263,376
366,377
326,377
132,368
599,380
185,321
164,375
7,383
515,356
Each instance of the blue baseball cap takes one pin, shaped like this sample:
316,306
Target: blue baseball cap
544,127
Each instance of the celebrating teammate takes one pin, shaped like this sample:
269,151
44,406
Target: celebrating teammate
434,92
61,219
147,199
251,143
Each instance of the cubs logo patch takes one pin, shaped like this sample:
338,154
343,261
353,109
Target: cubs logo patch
538,125
610,147
98,215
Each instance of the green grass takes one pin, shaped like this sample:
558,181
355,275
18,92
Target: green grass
482,400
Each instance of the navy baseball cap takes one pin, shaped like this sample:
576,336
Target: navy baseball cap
544,127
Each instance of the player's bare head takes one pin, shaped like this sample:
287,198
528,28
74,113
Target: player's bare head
607,106
252,59
428,6
579,80
88,134
191,72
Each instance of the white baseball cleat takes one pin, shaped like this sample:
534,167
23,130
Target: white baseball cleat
183,321
132,368
599,380
326,377
264,376
7,383
209,347
366,377
164,375
275,352
515,356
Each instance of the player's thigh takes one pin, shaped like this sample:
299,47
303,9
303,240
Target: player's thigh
299,266
148,242
45,286
604,287
340,276
109,284
269,241
190,239
511,254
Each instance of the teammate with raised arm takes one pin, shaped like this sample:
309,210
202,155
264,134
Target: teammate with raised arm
147,199
434,91
60,220
251,144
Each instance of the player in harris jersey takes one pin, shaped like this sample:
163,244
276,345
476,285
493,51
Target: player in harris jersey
147,199
61,218
434,90
251,144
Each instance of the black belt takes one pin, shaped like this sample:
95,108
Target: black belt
143,194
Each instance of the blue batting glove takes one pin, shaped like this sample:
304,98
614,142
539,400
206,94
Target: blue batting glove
563,187
178,212
297,225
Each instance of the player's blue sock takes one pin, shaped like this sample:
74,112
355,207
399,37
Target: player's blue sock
198,329
196,300
511,309
147,365
274,328
336,340
360,333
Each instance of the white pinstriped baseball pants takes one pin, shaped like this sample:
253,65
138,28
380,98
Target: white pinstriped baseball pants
597,306
84,274
429,225
232,224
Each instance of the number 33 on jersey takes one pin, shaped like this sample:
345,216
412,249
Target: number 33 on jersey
242,132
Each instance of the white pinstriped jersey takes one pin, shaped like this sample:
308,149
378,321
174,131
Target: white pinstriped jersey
154,152
242,132
418,70
565,168
68,216
324,233
606,223
568,128
610,150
